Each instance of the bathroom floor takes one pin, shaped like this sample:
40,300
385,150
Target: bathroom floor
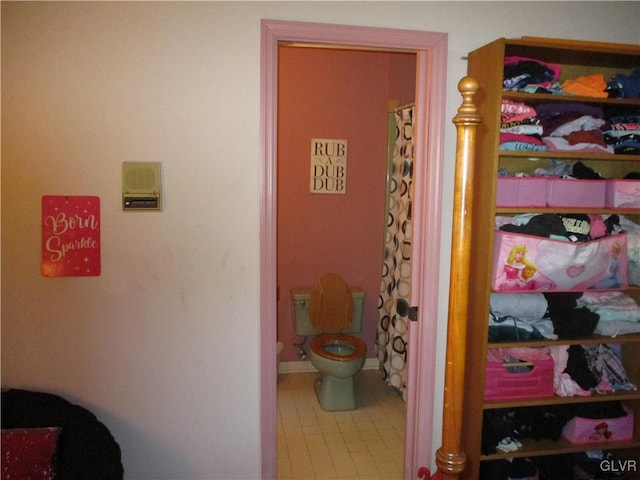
365,443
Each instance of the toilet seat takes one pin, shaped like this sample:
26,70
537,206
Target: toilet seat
359,347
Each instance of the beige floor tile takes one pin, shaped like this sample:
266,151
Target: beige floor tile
333,438
392,442
352,436
326,418
298,451
311,430
324,471
363,456
383,424
301,468
369,470
396,454
343,417
366,425
329,428
370,435
292,431
376,447
320,460
346,470
314,440
319,450
348,427
284,468
357,446
283,450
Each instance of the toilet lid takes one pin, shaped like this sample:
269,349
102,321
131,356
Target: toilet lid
331,304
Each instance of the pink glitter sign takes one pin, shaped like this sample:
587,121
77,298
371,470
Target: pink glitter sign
70,236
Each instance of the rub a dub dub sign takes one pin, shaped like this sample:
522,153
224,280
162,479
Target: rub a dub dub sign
328,166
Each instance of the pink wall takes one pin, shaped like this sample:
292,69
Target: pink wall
334,94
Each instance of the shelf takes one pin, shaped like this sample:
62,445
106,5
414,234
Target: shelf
595,339
568,155
577,52
556,400
550,97
537,448
598,211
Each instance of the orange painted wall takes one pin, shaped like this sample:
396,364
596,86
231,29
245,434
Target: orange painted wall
334,94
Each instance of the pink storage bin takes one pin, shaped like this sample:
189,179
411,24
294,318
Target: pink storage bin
501,384
623,194
527,262
582,431
562,192
521,192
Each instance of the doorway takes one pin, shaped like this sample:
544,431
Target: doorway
333,218
326,225
430,94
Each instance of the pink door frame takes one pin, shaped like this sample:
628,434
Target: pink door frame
431,49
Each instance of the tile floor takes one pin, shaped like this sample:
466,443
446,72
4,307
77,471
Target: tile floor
365,443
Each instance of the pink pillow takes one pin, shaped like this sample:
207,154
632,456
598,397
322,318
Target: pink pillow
29,453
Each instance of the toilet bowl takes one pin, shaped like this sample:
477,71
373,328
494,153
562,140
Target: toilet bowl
338,358
330,312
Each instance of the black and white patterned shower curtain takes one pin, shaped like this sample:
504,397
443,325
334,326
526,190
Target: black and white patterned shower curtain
393,302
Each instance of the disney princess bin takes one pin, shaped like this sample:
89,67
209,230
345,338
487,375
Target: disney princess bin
581,430
527,262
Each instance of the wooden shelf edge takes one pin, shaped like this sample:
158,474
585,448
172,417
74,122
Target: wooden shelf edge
556,400
586,156
551,97
630,288
597,211
571,44
538,448
595,339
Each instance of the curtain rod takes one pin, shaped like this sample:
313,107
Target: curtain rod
394,108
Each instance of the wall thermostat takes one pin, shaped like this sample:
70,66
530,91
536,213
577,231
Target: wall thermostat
141,186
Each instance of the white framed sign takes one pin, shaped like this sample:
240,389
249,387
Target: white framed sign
328,166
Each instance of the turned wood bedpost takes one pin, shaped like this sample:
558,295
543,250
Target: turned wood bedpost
449,458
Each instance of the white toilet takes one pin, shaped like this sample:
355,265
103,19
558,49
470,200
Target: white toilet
328,312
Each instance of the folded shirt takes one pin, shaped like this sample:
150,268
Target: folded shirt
592,85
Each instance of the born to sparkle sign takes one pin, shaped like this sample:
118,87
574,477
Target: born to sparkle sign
70,236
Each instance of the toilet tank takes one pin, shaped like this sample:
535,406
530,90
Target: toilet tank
300,298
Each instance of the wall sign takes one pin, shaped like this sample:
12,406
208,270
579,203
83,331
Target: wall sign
70,236
328,166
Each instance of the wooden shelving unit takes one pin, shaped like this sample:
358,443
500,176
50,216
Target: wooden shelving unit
486,65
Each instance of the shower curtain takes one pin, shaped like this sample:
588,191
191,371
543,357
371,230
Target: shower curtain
393,302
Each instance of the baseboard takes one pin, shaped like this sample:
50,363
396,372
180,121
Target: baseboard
305,366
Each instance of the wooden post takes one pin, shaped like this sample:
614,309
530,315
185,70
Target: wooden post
449,458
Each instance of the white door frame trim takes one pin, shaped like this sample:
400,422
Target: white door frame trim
431,49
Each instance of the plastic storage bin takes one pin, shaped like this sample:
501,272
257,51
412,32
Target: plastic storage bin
527,262
502,384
